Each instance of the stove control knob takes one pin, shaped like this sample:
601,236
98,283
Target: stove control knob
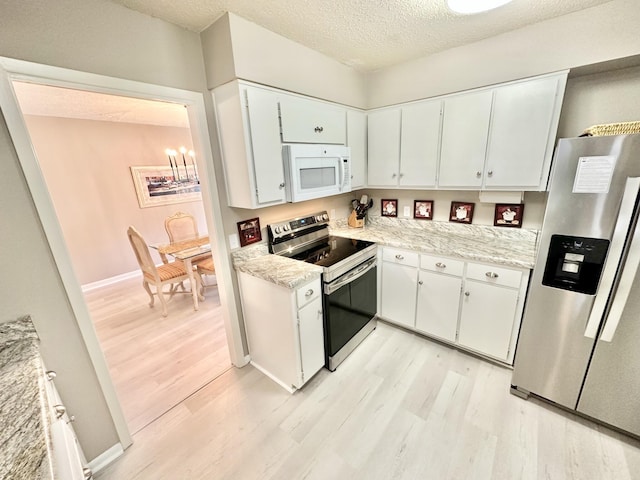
319,218
286,227
277,229
325,216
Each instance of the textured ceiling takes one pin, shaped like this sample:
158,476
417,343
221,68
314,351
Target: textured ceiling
63,102
365,34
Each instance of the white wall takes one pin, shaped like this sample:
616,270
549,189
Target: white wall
594,35
262,56
92,36
86,167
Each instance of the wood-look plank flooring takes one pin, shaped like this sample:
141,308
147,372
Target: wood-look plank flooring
156,362
399,407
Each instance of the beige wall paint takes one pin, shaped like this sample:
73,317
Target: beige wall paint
594,35
262,56
98,37
86,167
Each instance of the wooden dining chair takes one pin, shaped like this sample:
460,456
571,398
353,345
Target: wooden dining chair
183,226
171,274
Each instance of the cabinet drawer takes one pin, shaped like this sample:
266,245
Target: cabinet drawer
494,275
441,264
403,257
307,293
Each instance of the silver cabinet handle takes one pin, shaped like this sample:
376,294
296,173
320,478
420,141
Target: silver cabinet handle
490,173
401,175
318,129
60,410
87,473
420,282
492,275
399,257
51,375
394,175
478,174
441,265
466,294
281,185
308,293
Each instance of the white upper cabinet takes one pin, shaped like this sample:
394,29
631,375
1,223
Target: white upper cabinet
249,132
357,142
383,147
311,121
420,144
465,131
524,121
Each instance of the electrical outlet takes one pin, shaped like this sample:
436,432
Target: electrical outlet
234,241
407,211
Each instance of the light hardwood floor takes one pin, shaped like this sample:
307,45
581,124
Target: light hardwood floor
156,362
399,407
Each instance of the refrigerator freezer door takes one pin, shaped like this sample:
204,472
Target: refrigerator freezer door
553,352
611,391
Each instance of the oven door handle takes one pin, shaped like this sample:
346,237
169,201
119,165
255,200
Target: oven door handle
354,274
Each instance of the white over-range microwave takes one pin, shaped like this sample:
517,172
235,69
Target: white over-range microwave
315,171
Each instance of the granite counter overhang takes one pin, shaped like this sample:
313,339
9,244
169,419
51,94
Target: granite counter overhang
511,247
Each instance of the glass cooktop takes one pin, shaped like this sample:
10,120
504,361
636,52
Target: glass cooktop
332,251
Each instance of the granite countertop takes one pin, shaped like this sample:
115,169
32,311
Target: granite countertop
24,445
513,247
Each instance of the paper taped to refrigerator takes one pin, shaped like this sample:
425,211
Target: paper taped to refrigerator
594,174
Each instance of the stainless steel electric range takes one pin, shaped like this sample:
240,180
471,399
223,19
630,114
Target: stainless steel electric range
349,279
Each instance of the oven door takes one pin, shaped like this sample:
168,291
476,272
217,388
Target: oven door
350,304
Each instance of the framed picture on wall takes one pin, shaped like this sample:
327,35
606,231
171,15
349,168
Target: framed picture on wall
158,185
389,207
249,231
423,209
508,215
461,212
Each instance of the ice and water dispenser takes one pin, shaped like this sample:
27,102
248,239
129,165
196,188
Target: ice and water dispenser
575,263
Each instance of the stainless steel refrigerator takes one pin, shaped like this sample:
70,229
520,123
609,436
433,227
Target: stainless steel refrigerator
579,344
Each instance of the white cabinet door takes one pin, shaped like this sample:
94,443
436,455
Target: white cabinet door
487,319
523,119
420,144
438,305
465,128
357,142
310,329
398,302
383,147
262,106
309,121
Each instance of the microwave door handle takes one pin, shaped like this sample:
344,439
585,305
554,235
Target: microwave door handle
616,251
627,277
342,179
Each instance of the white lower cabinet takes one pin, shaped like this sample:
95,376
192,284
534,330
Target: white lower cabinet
475,306
398,289
284,329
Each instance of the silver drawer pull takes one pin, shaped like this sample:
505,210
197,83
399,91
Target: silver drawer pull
492,275
399,257
441,265
420,282
309,292
466,294
51,375
60,410
88,474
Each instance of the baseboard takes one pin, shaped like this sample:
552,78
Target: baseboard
288,388
111,280
106,458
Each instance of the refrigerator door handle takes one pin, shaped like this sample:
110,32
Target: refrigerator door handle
627,277
616,251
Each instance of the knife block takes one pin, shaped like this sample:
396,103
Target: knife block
354,221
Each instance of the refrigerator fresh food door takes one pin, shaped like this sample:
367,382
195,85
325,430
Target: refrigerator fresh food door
611,391
589,196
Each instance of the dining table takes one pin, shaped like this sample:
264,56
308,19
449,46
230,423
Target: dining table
187,251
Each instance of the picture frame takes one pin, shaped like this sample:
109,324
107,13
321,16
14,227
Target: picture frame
461,212
249,231
508,215
389,207
159,185
423,209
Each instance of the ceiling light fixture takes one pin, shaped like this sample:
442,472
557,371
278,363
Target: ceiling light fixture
475,6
